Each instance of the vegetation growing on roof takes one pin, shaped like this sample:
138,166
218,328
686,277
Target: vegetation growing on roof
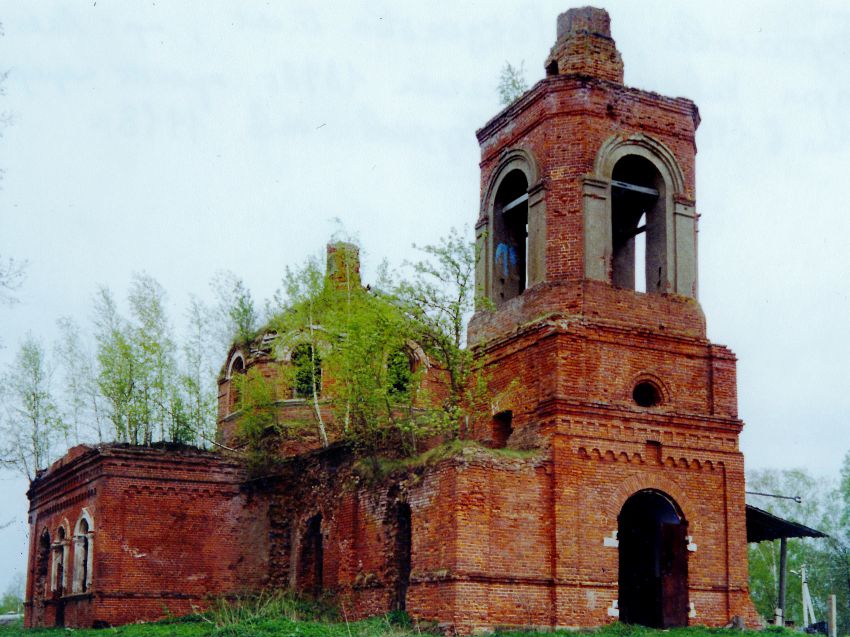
380,367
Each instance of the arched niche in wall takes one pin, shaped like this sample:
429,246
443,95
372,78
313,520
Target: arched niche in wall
83,552
638,188
511,233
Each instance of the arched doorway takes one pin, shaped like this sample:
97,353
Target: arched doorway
311,567
653,578
402,554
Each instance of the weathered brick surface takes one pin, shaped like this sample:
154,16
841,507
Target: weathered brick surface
170,530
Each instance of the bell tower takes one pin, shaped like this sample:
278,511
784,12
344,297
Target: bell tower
588,193
594,342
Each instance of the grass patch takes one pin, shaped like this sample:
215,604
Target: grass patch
376,468
201,626
255,618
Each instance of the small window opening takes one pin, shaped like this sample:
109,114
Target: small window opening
653,451
510,237
308,371
502,429
403,543
312,557
400,369
646,394
637,226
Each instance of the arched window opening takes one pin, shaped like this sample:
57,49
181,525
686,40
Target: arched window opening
235,374
638,226
510,236
42,563
307,368
311,573
401,366
82,557
402,554
237,365
653,579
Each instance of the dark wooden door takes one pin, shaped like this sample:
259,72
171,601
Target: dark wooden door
674,575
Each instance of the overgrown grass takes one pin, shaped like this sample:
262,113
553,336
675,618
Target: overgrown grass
264,615
283,615
269,626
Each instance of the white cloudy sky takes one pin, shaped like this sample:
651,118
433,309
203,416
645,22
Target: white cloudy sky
179,138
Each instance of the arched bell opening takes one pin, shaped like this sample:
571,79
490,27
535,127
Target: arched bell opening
510,236
638,226
653,578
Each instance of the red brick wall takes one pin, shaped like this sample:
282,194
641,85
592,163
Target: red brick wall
170,529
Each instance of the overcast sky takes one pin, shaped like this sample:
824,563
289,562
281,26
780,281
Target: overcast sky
183,138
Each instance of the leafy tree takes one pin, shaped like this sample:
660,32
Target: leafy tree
237,318
198,376
359,338
12,600
825,559
32,429
12,272
512,83
153,348
81,400
137,369
302,306
438,299
117,369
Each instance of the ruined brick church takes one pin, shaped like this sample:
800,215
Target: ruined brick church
629,500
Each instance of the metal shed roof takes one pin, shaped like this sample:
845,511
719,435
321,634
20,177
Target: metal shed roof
763,526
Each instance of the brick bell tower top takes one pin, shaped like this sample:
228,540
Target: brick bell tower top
587,197
585,46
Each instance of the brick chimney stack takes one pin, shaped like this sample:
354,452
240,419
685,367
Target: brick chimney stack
343,264
585,46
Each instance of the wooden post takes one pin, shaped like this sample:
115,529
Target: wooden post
783,563
833,617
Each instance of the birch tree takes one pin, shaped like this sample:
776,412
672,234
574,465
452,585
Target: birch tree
32,427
